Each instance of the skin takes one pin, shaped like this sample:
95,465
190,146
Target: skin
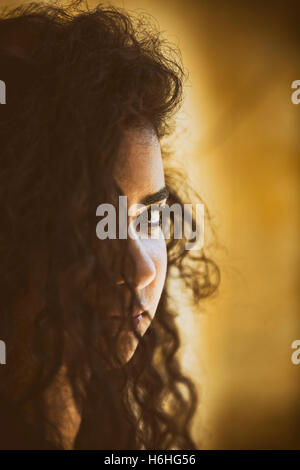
142,175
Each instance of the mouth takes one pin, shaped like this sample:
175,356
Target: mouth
137,317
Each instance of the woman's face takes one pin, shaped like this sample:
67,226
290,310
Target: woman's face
141,177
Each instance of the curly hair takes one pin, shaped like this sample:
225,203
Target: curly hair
78,79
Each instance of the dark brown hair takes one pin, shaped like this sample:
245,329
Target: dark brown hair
76,80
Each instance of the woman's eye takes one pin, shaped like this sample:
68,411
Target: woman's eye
150,222
154,217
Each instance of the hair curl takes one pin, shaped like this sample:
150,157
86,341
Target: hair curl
77,79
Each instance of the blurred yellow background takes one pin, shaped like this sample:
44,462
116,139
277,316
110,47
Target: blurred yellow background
241,151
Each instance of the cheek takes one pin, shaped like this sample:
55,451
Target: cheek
159,258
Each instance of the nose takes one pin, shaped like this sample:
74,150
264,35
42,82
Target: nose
145,270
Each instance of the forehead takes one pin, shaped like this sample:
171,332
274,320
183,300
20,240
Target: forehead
140,171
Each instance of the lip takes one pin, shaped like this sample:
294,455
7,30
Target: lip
137,319
138,315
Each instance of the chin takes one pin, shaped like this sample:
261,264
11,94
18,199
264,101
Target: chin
127,345
127,342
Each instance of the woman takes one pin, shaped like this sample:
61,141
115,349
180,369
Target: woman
91,339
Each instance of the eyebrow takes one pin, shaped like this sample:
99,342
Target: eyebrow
163,193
